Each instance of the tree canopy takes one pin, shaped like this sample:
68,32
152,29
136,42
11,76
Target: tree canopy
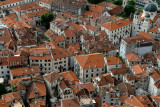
118,2
3,90
95,1
129,9
46,19
132,2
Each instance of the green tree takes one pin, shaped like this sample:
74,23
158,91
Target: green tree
95,1
46,19
132,2
128,10
3,90
87,7
118,2
158,1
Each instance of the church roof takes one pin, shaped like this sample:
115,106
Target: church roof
150,7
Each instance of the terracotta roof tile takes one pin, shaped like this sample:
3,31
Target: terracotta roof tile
113,60
37,14
133,57
27,7
10,97
3,103
58,38
155,29
96,8
38,103
130,77
104,79
51,77
116,10
145,34
70,102
17,60
138,69
59,53
125,89
9,2
25,71
49,33
139,101
91,60
156,99
120,71
38,88
3,61
119,23
136,39
8,21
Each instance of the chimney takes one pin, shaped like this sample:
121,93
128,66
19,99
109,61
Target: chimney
131,96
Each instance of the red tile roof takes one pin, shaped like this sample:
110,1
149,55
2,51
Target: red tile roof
25,71
36,88
58,38
133,57
70,103
10,97
38,103
69,76
91,60
120,71
3,103
96,8
49,33
104,79
155,29
51,77
113,60
119,23
138,69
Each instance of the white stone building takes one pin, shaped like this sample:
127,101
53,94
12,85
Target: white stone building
154,83
4,68
88,66
51,81
117,29
14,3
146,20
138,44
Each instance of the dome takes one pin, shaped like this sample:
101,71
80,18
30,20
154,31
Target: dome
150,7
137,13
147,15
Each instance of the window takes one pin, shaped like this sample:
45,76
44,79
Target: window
86,71
8,72
86,76
91,75
1,67
92,70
